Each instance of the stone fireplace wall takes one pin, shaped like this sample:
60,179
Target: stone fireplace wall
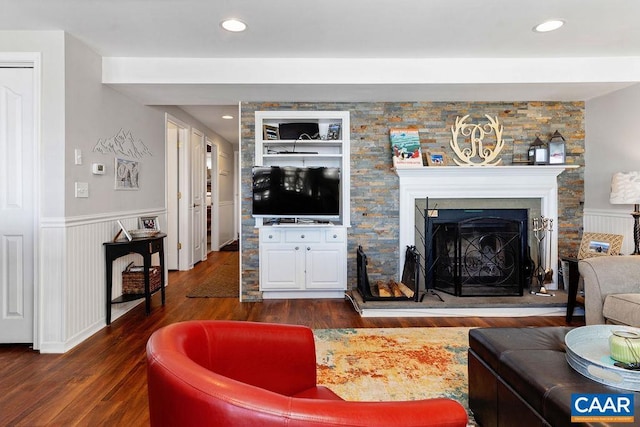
374,186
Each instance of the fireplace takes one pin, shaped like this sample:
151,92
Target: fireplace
477,252
455,182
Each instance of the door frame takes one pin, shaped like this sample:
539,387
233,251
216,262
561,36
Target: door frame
33,60
215,202
183,170
197,171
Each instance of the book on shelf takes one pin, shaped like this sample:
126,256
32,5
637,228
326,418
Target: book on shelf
405,148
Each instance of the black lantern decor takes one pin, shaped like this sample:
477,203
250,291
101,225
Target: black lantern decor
538,153
557,149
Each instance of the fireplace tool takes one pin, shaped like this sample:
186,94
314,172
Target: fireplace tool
548,274
541,227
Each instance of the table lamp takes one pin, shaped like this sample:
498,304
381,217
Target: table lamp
625,190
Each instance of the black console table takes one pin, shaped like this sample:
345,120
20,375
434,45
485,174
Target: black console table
145,247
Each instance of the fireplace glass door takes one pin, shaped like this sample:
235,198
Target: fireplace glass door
481,255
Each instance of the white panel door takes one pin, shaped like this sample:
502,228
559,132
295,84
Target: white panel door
198,196
17,211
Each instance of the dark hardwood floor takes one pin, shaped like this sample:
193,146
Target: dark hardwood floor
103,380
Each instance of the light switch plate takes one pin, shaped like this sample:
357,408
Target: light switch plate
82,189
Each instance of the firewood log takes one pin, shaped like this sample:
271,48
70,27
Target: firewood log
383,289
406,290
395,289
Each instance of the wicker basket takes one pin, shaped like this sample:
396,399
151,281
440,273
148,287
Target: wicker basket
133,279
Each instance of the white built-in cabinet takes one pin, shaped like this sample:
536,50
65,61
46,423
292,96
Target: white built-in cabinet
305,260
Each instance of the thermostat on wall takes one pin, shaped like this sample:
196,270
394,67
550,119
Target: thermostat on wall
97,168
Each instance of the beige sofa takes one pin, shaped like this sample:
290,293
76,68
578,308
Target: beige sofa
611,289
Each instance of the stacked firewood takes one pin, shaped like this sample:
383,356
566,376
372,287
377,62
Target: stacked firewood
393,289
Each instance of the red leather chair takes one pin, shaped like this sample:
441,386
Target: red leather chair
228,373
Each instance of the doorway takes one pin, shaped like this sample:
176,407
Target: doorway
178,247
197,194
192,195
213,241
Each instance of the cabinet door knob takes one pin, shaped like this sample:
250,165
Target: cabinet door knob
302,236
297,247
308,248
270,236
335,236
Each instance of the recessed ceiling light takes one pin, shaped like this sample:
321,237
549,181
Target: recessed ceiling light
227,117
233,25
550,25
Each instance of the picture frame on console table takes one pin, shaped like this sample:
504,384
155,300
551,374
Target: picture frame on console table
599,244
123,230
148,223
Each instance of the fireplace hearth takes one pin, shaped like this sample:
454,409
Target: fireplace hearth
477,252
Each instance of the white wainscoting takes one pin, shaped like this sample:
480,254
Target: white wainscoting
227,233
72,283
612,222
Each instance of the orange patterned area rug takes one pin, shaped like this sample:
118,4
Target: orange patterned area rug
383,364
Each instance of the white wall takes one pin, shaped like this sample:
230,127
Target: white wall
97,112
76,111
611,145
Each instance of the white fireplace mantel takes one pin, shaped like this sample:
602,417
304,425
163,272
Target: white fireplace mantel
478,182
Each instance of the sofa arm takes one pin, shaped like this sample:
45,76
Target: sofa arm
607,275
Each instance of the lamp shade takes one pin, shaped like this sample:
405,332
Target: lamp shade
625,188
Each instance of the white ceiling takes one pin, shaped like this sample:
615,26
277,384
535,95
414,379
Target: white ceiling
392,29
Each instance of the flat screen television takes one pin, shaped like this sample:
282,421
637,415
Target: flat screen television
294,192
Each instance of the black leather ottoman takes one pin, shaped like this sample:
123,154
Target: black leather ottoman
520,377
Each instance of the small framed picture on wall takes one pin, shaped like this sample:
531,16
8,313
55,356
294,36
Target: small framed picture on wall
127,174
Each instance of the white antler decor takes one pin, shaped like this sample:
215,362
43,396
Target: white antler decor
478,154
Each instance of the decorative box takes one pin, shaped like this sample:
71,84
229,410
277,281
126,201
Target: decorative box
133,279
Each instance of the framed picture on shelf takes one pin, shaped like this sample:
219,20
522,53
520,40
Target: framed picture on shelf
270,132
333,132
148,223
405,148
599,244
436,158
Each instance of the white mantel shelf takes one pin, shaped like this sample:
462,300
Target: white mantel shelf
476,171
477,182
